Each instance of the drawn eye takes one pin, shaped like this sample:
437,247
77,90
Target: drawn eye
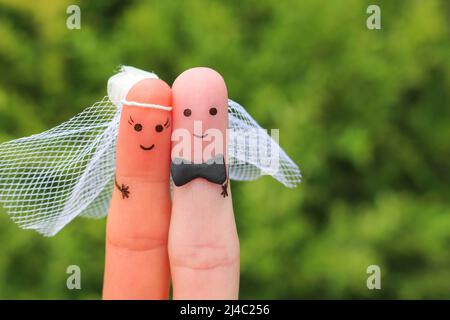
166,124
187,112
159,128
213,111
138,127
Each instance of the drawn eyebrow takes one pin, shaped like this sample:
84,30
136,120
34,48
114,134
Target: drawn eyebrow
131,121
166,125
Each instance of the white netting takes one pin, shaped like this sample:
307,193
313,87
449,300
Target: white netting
253,152
48,179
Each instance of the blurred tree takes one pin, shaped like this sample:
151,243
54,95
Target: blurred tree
365,112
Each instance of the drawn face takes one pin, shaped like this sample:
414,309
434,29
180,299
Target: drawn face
143,144
200,102
158,127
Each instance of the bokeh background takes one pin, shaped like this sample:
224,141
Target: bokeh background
365,113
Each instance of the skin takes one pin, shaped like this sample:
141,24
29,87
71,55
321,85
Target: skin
203,241
136,260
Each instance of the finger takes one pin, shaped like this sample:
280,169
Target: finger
203,241
136,261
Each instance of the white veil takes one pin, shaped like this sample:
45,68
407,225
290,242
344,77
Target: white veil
48,179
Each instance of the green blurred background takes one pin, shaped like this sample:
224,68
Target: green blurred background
365,113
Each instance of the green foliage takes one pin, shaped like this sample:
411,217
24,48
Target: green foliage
365,112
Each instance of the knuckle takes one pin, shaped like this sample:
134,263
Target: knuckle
136,243
203,257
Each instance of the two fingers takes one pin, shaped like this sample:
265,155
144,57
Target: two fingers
194,242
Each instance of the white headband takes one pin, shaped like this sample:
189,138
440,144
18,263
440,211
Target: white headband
145,105
120,84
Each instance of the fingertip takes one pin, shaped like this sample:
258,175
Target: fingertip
205,77
155,91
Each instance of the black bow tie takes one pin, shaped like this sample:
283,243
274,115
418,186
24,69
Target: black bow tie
213,170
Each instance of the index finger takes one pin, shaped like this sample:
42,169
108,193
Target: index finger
203,241
136,261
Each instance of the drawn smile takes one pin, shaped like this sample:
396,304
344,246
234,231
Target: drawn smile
147,148
201,137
